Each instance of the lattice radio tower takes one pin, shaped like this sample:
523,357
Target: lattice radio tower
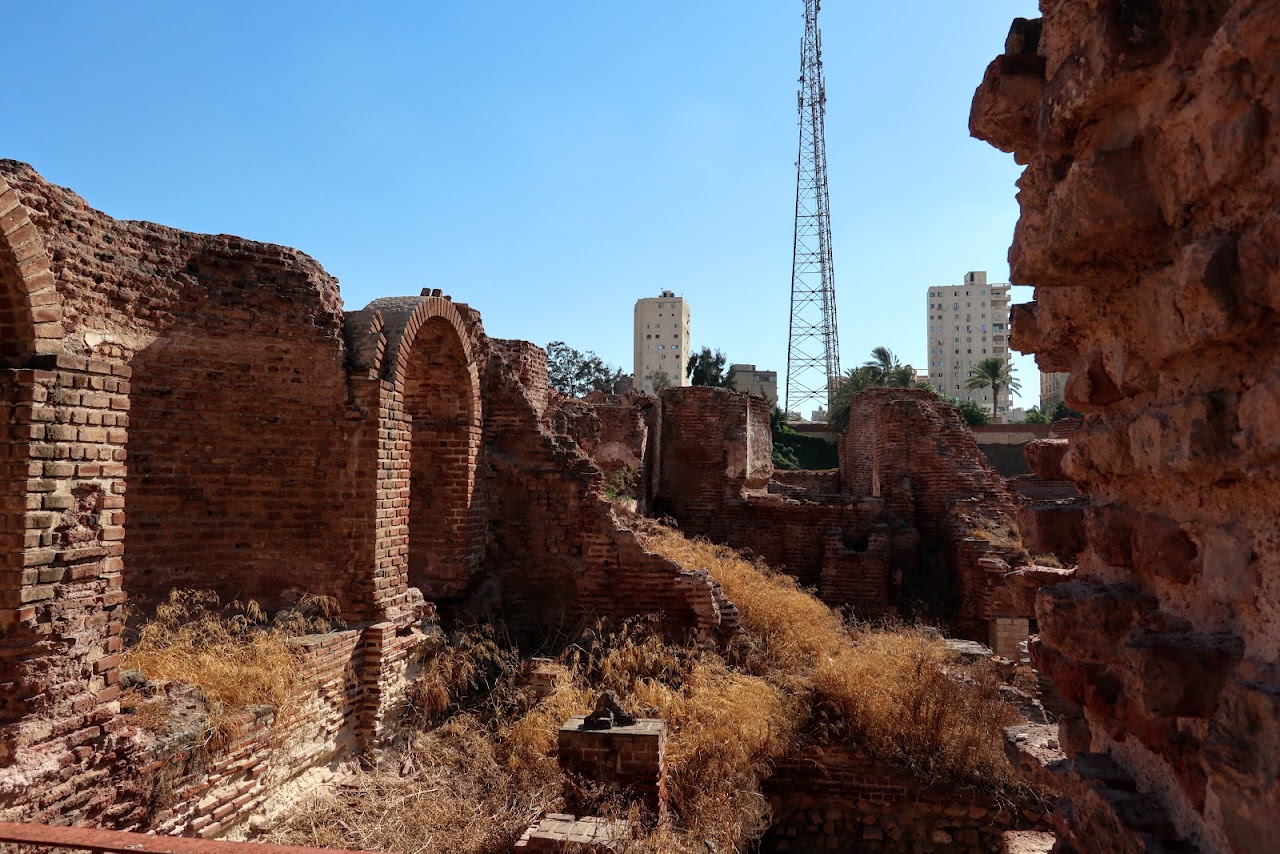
813,354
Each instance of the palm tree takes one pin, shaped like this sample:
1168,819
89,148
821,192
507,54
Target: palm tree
882,364
854,381
901,376
995,372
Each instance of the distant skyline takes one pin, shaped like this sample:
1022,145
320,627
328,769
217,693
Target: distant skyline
547,164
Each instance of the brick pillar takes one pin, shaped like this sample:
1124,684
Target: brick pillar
61,591
629,758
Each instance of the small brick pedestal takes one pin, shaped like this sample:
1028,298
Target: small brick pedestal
632,758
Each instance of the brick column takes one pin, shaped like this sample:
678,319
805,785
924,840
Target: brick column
61,591
629,758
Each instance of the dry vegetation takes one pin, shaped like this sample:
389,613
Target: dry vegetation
1007,535
798,675
236,655
896,692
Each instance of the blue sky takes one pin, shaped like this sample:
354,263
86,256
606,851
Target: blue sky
548,163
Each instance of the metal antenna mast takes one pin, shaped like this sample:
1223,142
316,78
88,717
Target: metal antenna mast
813,354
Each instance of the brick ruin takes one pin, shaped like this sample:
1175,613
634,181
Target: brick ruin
264,444
914,512
1151,233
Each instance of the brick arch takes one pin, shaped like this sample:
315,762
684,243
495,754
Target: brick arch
30,313
30,326
437,383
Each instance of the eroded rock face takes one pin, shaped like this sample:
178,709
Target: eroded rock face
1151,229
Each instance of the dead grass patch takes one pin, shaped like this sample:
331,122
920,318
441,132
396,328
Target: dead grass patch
903,697
473,783
898,693
234,660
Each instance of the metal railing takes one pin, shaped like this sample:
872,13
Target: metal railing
45,836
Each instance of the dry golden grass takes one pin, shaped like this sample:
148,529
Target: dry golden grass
235,663
791,626
474,783
897,693
455,794
903,697
473,662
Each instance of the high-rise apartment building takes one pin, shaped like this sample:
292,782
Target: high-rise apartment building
1052,386
968,323
661,341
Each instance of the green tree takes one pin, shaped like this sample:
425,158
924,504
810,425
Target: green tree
659,379
577,374
1061,411
995,372
973,414
1035,416
886,370
882,369
707,368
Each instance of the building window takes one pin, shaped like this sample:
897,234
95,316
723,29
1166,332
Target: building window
660,347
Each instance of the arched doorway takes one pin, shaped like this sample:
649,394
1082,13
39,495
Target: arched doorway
440,401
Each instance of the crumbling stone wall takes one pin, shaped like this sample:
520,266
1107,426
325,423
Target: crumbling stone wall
612,431
837,799
709,466
559,552
1150,230
914,509
265,445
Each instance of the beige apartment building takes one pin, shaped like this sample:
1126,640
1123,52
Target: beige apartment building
746,378
1052,386
661,340
968,322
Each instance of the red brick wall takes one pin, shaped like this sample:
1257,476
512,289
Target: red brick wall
613,432
231,420
833,799
266,445
558,552
710,468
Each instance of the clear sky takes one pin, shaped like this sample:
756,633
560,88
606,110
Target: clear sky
547,163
